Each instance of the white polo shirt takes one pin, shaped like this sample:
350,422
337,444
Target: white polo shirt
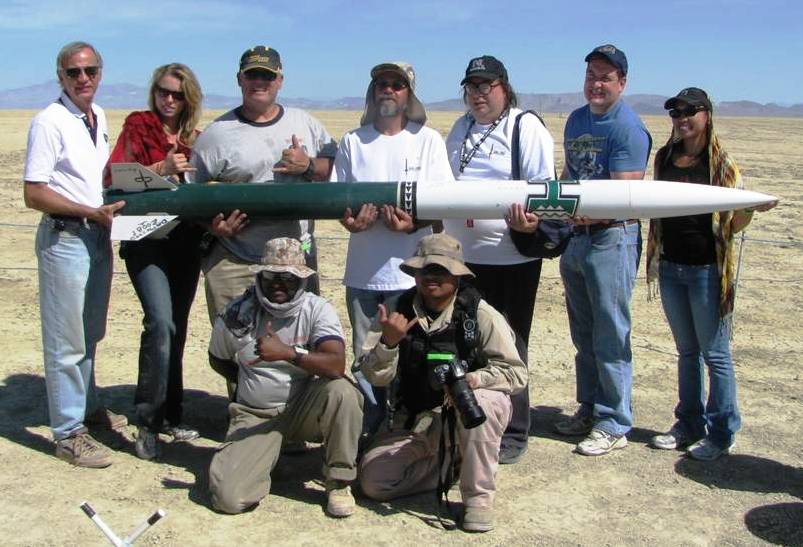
61,152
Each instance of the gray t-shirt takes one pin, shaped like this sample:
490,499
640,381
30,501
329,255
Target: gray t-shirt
234,149
273,384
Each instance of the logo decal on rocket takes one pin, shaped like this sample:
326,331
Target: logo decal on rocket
557,199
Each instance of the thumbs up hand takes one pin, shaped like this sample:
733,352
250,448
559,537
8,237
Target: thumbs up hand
175,162
295,160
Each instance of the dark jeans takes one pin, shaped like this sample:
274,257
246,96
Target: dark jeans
511,289
165,276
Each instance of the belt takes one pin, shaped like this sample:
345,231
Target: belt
594,228
60,222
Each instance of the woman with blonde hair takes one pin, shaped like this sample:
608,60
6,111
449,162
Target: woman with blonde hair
164,272
692,257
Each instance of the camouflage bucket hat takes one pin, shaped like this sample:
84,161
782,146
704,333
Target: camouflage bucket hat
283,254
415,111
441,249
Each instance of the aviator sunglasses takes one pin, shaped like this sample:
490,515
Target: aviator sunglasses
165,93
74,72
687,112
480,89
395,85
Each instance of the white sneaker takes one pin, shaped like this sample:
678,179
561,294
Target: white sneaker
674,438
600,442
705,450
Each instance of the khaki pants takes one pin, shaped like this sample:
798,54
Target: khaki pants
403,462
225,278
328,411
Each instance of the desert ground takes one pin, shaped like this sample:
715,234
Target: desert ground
551,497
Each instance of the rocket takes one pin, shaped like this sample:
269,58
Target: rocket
153,203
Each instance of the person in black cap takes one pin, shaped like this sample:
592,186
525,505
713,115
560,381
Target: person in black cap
692,258
604,139
481,146
259,141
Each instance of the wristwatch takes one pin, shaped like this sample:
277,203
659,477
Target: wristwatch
299,351
309,174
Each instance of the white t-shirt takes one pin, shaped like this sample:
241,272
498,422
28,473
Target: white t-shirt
488,241
234,149
365,155
61,152
273,384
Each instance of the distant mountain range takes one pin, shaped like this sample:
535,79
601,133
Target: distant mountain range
127,96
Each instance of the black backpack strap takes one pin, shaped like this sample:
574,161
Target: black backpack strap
515,147
451,474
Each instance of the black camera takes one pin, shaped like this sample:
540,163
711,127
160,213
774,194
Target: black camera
449,373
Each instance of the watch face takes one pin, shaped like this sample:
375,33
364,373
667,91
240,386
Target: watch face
301,350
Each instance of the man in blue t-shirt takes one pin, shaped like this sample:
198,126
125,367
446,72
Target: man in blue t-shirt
604,139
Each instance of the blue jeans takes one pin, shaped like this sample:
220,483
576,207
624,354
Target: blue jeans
165,276
599,273
363,306
690,297
75,272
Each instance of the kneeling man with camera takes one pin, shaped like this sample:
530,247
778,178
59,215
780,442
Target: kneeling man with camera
454,355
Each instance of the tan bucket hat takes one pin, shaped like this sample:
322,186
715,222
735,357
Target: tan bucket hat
441,249
415,111
283,254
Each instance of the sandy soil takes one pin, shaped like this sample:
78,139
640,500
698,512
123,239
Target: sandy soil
635,496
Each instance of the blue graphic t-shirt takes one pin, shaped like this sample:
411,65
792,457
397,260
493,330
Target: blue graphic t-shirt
596,145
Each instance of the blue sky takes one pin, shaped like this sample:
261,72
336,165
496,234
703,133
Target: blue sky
736,49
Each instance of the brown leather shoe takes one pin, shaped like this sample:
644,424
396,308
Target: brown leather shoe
339,501
84,451
105,418
478,519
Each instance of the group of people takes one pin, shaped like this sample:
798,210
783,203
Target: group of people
440,312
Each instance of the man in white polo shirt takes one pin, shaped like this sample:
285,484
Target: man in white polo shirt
68,145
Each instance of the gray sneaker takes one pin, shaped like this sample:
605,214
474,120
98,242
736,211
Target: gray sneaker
674,438
147,445
575,425
84,451
600,442
705,450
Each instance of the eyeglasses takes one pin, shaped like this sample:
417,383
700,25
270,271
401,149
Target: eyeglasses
73,73
165,93
604,79
480,89
281,276
265,75
687,112
395,85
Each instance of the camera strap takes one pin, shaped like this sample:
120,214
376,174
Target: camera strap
448,474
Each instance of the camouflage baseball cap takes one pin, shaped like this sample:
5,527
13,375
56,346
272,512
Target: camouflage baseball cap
441,249
283,254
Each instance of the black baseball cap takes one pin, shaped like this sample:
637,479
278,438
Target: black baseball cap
692,96
611,54
487,67
262,58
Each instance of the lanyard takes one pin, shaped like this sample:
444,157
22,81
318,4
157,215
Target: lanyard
467,156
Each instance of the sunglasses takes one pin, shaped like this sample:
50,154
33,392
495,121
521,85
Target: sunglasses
480,89
434,269
253,75
74,73
395,85
687,112
165,93
281,276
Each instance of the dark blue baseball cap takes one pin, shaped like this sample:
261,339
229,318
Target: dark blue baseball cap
612,54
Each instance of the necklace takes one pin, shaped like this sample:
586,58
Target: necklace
467,155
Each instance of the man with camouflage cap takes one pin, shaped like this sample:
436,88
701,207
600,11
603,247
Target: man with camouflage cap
391,144
288,349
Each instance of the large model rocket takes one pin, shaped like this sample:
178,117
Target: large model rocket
156,202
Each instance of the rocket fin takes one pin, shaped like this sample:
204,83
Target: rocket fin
133,177
136,227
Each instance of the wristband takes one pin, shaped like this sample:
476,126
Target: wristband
309,174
